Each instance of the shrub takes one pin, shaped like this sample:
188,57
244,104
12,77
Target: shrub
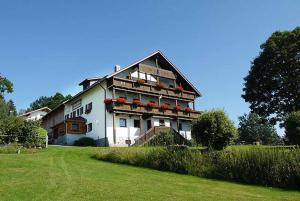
164,106
178,108
85,142
167,139
179,89
108,101
121,100
136,102
214,129
140,81
265,166
292,127
151,105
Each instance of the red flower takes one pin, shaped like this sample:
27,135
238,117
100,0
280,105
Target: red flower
108,101
188,109
160,86
164,107
140,81
151,104
136,101
179,89
178,108
121,100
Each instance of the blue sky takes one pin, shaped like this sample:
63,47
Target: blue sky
50,46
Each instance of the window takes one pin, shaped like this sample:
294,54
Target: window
136,123
161,122
78,112
67,116
74,114
180,126
81,111
88,107
71,115
75,127
89,127
123,122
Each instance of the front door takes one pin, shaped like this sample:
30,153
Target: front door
149,124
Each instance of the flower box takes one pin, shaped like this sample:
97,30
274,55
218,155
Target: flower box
188,109
108,101
151,105
136,101
164,107
178,108
121,100
179,89
140,81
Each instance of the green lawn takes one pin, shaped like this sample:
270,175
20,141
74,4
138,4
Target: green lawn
70,173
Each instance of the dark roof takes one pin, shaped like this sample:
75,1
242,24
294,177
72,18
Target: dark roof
89,79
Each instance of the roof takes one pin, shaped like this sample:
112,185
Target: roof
89,79
158,52
40,109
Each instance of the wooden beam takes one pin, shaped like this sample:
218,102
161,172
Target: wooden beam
114,128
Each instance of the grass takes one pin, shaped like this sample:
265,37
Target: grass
70,173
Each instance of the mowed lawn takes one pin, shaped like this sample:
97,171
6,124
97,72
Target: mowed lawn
70,173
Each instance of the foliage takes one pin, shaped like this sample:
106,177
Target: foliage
166,139
12,108
273,83
214,129
292,127
85,142
50,102
265,166
15,129
5,86
253,128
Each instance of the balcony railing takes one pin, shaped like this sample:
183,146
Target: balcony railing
156,110
150,88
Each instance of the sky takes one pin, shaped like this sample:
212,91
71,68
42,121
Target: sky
50,46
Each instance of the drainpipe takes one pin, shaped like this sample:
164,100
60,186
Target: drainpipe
104,116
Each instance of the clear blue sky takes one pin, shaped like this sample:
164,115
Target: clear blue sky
50,46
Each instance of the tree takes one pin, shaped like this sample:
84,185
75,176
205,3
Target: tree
5,86
253,128
50,102
292,127
272,86
12,108
214,129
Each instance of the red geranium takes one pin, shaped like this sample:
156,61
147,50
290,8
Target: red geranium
140,81
179,89
108,101
188,109
121,100
178,108
136,101
160,86
164,107
151,104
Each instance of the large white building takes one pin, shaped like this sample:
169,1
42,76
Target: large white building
127,107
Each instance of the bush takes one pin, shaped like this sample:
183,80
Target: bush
292,127
214,129
265,166
166,139
85,142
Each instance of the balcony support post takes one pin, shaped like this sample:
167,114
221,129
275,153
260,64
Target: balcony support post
114,128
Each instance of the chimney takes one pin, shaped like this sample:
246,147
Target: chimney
117,68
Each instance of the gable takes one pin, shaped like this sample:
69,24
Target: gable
157,64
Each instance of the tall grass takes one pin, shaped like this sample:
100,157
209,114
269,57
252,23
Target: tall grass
264,166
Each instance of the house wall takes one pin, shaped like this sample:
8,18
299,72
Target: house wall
95,95
37,115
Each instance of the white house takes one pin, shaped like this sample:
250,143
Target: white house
36,114
128,106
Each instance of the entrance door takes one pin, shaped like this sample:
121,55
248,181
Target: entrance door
149,124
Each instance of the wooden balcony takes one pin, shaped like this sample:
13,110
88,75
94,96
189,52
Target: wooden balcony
129,84
144,109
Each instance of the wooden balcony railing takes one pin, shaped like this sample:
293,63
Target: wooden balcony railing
144,109
150,88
